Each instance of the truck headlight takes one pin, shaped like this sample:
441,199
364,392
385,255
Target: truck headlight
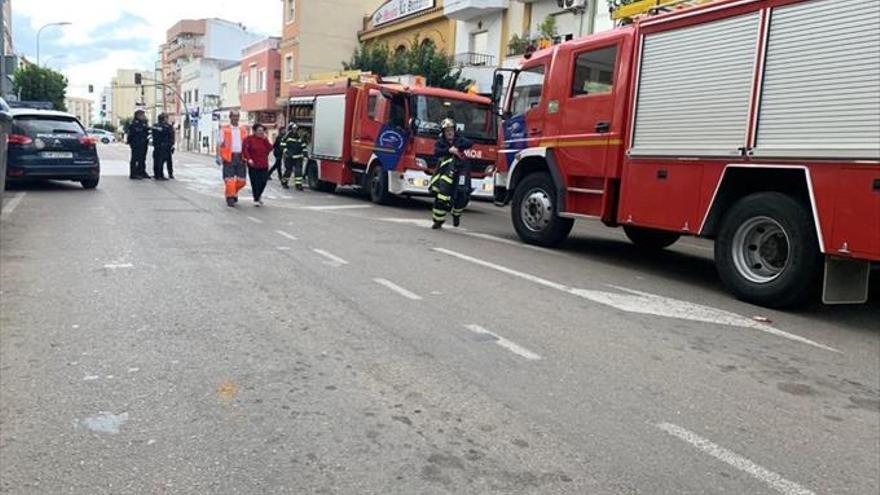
421,163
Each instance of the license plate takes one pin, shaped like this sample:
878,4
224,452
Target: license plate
57,154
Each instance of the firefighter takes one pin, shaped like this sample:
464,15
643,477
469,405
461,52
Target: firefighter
138,138
451,183
294,152
163,144
277,153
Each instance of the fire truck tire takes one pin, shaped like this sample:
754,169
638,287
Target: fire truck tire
316,184
651,239
377,185
767,252
534,212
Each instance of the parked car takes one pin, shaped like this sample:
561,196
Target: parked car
46,144
102,135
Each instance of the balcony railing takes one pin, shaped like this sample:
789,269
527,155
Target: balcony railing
474,59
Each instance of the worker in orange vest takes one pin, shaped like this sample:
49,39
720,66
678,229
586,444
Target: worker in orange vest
229,156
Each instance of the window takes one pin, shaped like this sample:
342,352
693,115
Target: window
594,72
196,96
252,80
371,106
480,42
261,80
244,84
288,68
277,78
527,90
289,10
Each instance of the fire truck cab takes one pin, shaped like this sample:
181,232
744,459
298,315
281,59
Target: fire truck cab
755,123
379,136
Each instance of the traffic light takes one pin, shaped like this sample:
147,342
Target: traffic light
137,78
91,88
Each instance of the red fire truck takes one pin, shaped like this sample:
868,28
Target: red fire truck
379,135
755,123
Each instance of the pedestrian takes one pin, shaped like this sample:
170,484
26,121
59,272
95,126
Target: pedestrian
278,154
163,144
138,138
255,150
451,183
294,152
232,137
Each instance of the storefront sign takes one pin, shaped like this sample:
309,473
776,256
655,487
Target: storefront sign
393,10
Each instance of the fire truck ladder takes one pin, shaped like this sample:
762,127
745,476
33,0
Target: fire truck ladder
627,13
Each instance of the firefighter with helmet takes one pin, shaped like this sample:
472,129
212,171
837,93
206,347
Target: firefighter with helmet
293,149
451,183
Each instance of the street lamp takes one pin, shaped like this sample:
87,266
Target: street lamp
39,31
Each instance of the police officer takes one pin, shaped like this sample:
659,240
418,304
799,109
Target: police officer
294,152
163,144
451,183
138,137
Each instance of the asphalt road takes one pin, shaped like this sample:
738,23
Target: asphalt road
155,341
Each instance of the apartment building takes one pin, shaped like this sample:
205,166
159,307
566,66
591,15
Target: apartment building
259,82
127,95
81,107
396,23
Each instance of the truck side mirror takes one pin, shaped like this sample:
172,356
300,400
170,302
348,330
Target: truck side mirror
497,87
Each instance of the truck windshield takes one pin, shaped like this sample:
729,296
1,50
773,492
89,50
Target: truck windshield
473,120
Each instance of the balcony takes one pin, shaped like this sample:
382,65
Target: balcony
473,59
464,10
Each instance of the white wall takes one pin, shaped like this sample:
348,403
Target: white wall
490,23
225,40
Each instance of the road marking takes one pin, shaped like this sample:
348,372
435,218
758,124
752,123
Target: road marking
10,205
254,219
396,288
116,266
285,234
735,460
507,344
330,256
634,301
335,207
426,224
282,248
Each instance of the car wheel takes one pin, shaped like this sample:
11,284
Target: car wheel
378,186
89,183
105,140
650,239
767,252
534,214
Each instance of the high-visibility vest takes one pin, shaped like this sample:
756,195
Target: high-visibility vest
226,141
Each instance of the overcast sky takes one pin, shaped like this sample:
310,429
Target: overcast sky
106,35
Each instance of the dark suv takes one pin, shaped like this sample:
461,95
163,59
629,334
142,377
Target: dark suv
46,144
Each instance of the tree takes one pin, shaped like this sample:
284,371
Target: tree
548,28
35,83
421,58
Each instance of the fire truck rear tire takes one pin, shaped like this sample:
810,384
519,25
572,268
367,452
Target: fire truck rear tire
767,252
533,212
652,239
377,185
316,184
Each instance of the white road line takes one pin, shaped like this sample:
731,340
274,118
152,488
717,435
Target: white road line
507,344
335,207
10,205
285,234
396,288
115,266
634,301
735,460
283,248
426,224
330,256
254,219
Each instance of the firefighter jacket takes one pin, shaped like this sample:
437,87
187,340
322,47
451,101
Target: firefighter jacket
293,146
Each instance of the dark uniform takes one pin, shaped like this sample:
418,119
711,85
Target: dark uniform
278,153
138,139
294,152
163,143
451,183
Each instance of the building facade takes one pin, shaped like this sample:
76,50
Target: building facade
105,114
397,23
317,37
259,83
200,90
81,107
127,96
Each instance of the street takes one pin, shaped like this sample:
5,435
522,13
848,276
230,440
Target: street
153,340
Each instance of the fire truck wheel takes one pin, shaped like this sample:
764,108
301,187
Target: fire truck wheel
767,252
377,183
534,212
650,238
316,184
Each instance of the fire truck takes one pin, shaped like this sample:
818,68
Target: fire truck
755,123
379,135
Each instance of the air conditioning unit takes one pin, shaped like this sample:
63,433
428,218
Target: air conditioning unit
572,4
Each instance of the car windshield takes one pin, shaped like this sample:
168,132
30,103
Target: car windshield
473,120
32,125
